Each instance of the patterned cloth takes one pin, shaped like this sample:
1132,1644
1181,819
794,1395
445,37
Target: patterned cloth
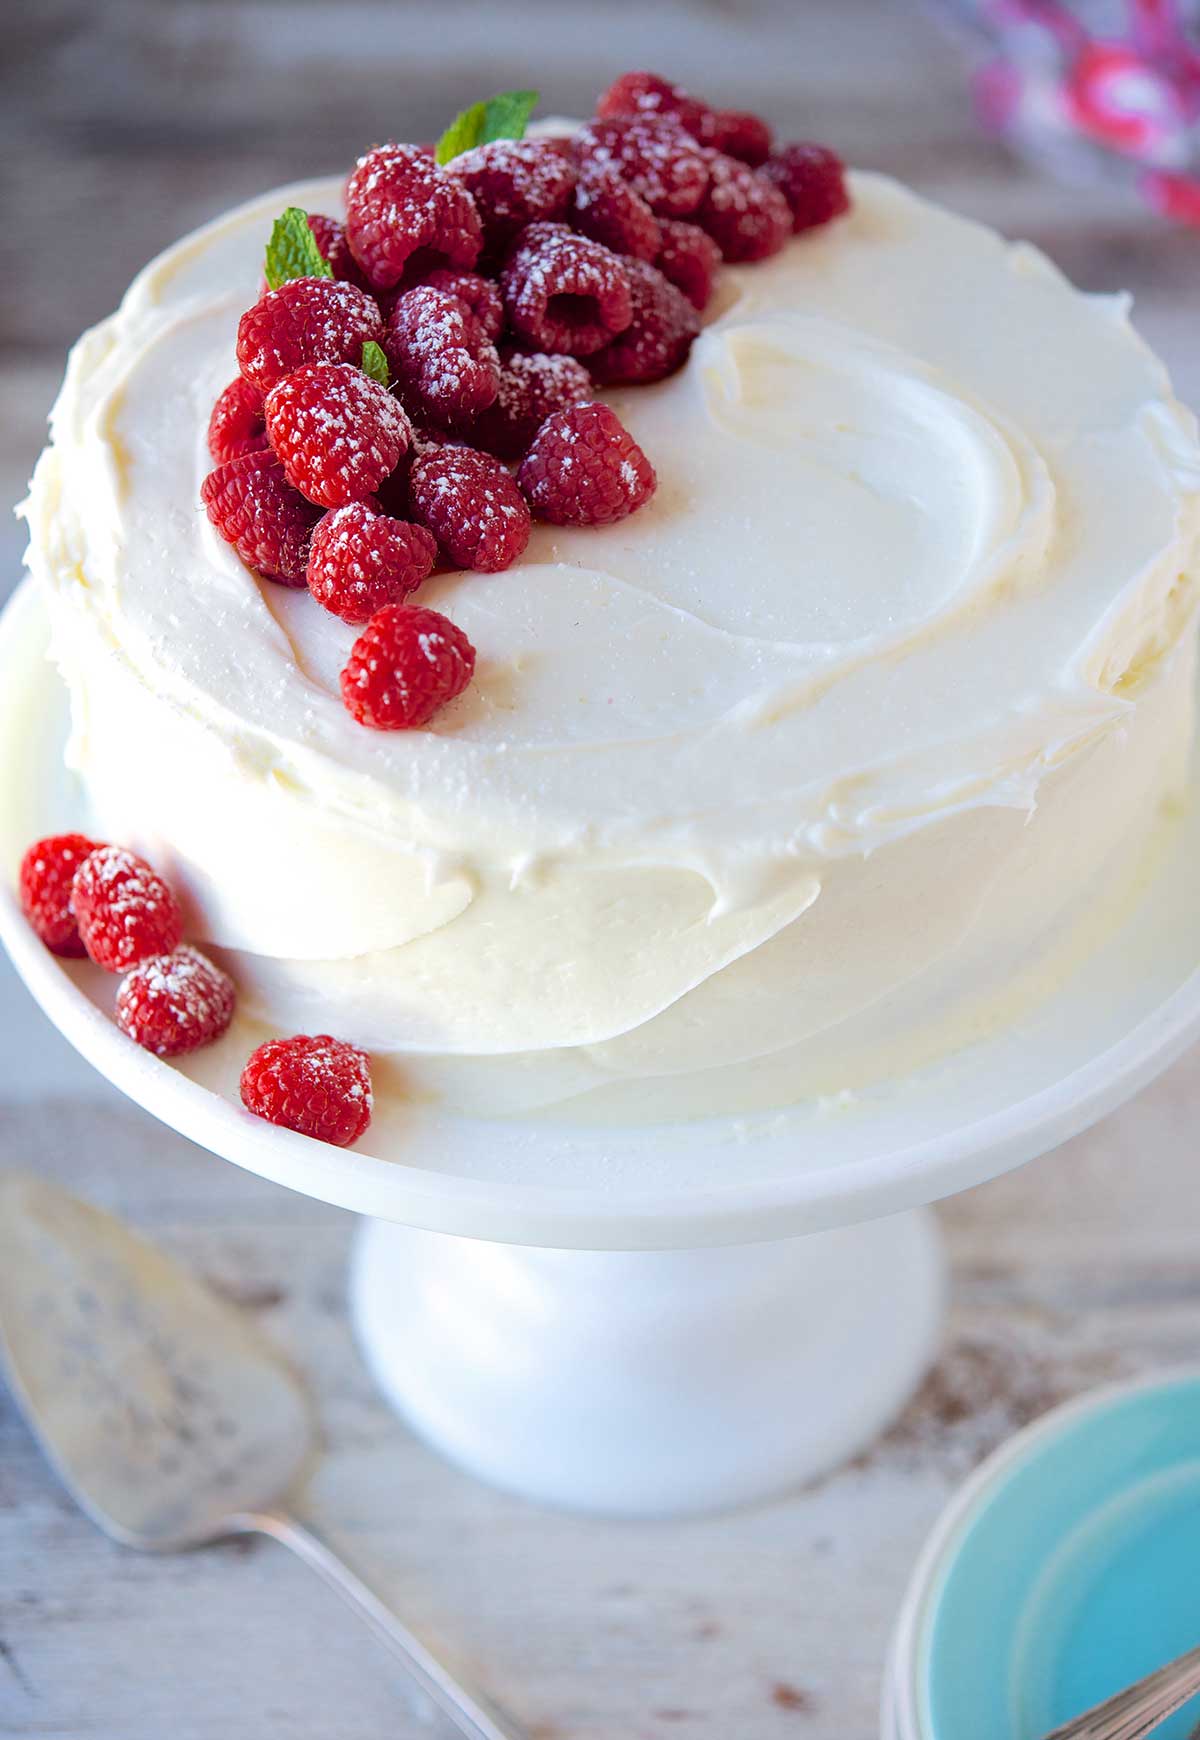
1092,84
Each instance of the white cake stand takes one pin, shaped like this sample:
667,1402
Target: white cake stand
643,1320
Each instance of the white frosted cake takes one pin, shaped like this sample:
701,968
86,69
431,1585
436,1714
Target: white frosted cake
807,768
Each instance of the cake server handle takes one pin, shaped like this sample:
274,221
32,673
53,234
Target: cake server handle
472,1714
1140,1708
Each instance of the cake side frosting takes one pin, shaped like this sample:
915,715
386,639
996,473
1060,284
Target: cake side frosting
739,782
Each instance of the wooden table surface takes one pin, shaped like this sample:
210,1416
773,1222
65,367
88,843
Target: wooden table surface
122,126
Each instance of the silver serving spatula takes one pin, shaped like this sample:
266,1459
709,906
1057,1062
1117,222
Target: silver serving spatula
168,1416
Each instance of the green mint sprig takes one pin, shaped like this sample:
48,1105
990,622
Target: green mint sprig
505,116
375,363
292,251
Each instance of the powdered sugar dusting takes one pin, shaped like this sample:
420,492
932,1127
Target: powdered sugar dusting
314,1084
515,182
655,155
398,201
746,216
660,333
471,505
306,320
689,259
645,93
255,508
360,560
610,211
585,469
47,872
481,296
812,179
565,293
337,432
404,667
444,362
532,385
124,909
174,1003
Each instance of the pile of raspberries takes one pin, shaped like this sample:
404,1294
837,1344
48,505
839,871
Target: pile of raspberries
85,898
503,290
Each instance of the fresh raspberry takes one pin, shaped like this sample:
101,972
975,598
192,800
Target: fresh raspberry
403,211
608,210
254,507
471,505
744,136
330,237
314,1084
658,338
689,258
563,292
586,469
445,365
172,1003
812,179
645,93
306,320
514,182
360,560
743,212
404,666
481,296
236,425
44,885
658,158
532,386
124,909
337,432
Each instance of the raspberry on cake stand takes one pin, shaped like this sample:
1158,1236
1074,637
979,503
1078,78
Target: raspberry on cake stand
652,1320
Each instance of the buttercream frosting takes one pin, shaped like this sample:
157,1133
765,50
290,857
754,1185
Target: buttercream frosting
887,679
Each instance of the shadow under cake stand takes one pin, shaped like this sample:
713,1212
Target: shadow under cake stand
642,1320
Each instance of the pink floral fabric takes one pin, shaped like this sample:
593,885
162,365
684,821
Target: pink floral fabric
1093,83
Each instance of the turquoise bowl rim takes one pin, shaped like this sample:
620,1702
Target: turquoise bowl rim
906,1712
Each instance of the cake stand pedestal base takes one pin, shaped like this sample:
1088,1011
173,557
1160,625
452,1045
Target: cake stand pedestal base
650,1383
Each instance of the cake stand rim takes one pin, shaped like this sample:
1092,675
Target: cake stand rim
526,1213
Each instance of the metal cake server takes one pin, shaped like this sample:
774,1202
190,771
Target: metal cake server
168,1416
1140,1708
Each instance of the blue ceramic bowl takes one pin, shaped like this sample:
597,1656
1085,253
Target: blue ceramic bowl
1068,1566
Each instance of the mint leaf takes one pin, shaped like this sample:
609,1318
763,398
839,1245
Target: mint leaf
292,251
464,132
505,116
374,363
